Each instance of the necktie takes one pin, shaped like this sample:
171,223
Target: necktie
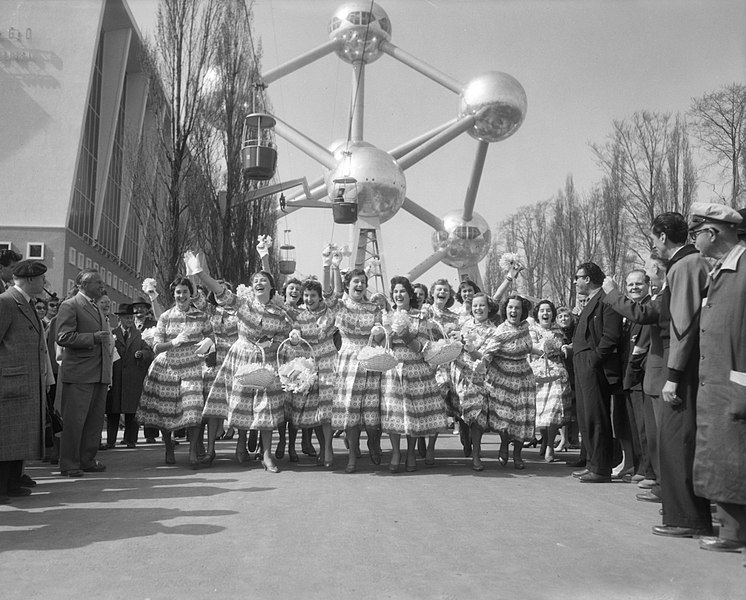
125,333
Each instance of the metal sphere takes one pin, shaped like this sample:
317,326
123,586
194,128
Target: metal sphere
361,28
500,99
465,242
381,186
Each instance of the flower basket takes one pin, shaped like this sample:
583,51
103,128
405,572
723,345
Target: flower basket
441,352
256,375
299,374
377,358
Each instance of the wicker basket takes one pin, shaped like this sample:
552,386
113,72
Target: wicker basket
437,354
292,384
381,361
258,378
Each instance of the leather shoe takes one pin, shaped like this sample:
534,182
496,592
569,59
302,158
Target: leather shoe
26,481
96,467
591,477
648,497
72,473
717,544
580,473
678,532
577,464
19,492
646,484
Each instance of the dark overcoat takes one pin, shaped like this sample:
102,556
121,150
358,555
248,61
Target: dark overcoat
24,372
720,455
128,373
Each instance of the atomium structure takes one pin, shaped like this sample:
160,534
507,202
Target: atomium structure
491,108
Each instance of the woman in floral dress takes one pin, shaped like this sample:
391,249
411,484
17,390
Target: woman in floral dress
357,403
553,393
172,395
314,410
262,323
412,404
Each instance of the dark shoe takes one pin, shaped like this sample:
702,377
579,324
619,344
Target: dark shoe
293,456
55,460
717,544
578,474
503,456
518,463
679,532
26,481
421,447
72,473
112,446
477,465
19,492
648,497
349,469
207,459
150,440
591,477
280,452
375,458
102,447
576,464
131,445
96,467
170,458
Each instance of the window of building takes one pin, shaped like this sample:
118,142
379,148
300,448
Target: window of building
6,246
35,250
109,230
84,191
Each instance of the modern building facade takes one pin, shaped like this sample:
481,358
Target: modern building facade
73,105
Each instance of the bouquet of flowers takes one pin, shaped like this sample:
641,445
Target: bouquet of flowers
373,268
298,375
552,346
244,292
510,263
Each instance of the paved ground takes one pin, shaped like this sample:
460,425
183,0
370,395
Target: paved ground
145,530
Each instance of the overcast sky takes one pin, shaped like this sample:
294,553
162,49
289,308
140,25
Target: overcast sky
582,63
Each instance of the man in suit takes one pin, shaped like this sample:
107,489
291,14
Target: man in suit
84,335
129,370
25,374
598,375
671,374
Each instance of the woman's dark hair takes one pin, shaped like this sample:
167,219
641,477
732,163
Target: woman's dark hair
289,282
470,283
42,300
423,287
268,275
525,306
552,307
353,273
181,280
400,280
312,285
492,308
595,275
673,224
442,281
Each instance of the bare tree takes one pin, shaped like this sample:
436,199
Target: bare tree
718,125
177,62
230,224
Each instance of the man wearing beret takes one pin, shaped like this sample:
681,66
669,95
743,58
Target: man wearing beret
84,336
25,375
720,458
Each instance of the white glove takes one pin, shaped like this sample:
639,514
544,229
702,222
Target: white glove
204,347
326,256
192,263
180,339
262,248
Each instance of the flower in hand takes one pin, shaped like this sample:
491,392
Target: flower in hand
263,242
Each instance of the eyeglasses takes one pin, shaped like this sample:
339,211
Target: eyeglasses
694,234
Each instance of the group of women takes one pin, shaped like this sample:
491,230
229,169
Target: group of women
508,378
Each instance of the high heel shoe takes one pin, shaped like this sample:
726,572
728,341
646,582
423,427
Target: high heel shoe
241,454
411,466
293,456
476,465
502,456
350,468
207,459
518,463
270,468
170,458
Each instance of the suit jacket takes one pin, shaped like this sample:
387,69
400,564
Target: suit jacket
128,372
83,360
599,329
635,335
24,373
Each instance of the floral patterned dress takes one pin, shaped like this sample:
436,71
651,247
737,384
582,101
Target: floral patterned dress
357,402
248,408
553,393
512,384
172,391
472,385
411,404
447,375
317,328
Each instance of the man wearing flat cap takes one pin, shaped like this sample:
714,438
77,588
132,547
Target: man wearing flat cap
128,374
25,375
84,336
720,457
